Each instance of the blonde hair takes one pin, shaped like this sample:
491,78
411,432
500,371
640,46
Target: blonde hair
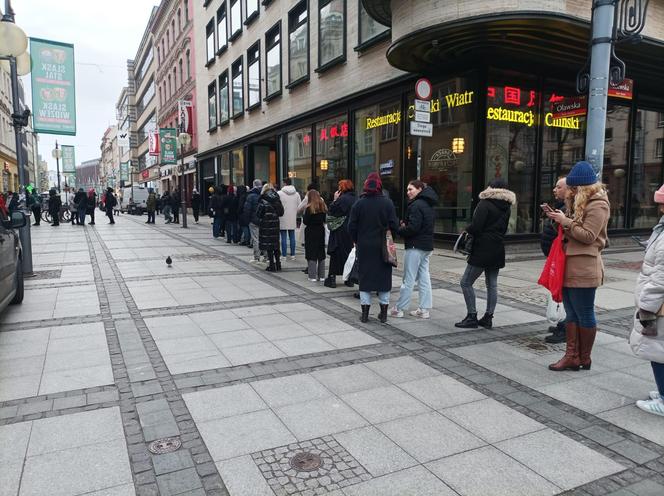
266,187
576,202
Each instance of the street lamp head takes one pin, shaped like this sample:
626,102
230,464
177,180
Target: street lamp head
13,41
184,139
23,64
57,153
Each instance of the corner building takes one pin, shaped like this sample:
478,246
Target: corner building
323,90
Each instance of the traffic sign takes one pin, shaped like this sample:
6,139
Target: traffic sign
423,89
421,129
422,105
422,116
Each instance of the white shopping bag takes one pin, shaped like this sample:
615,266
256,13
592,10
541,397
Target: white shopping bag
327,235
555,312
348,267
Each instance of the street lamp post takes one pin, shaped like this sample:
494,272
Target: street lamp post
57,155
184,140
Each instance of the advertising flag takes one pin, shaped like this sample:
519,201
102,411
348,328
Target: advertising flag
124,171
68,159
168,146
153,138
185,117
53,87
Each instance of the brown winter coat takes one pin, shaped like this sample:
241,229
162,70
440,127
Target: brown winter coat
583,243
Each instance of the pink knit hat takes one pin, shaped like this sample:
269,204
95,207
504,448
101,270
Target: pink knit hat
659,195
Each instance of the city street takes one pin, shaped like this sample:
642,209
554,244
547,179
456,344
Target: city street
120,375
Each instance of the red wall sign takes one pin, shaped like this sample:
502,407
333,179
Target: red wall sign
624,90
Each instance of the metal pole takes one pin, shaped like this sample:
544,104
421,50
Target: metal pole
24,232
183,201
600,60
419,157
57,164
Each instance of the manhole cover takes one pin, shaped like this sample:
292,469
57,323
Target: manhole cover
165,445
306,462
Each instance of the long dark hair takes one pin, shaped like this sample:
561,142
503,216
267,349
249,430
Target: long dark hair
315,203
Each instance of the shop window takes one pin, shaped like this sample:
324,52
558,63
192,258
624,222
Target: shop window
616,154
237,162
222,37
209,40
273,61
331,163
250,10
511,136
298,44
660,119
331,33
254,75
225,168
646,169
299,158
224,111
608,134
236,19
212,106
264,162
238,90
369,30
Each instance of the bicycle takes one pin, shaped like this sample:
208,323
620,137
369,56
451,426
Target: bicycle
65,215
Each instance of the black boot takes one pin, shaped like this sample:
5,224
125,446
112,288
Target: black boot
365,313
486,321
350,284
556,337
278,263
468,322
356,295
330,282
382,316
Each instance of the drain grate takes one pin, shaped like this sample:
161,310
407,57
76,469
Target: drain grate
306,462
164,445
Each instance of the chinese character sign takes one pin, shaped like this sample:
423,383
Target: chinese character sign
68,159
168,146
53,87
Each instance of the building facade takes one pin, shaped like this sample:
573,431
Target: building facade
87,175
109,166
126,138
323,90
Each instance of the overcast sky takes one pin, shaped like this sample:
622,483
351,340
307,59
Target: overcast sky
105,35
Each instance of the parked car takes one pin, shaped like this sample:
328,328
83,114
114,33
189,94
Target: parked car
11,259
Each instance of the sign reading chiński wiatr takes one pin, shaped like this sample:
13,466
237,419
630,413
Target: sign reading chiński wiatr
53,87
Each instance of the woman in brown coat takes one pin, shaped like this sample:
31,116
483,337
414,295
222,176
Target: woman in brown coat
585,237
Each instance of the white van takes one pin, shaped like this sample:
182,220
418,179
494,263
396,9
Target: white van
134,200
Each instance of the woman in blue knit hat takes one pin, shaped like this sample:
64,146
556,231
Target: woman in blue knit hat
585,236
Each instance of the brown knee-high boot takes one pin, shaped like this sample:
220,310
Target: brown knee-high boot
571,359
586,341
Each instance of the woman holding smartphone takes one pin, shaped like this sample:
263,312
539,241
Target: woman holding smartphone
585,235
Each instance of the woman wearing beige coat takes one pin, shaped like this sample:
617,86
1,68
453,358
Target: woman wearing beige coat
585,236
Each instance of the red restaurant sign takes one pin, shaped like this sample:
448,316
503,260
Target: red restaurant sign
624,90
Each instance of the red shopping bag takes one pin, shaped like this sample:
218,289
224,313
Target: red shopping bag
553,272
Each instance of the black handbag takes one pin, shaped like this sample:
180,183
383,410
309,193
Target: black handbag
464,244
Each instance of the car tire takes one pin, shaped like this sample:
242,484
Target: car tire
20,290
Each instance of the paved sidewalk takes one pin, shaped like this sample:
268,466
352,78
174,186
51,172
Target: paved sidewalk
121,376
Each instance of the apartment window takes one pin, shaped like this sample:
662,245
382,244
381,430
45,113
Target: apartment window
212,106
224,111
250,10
331,33
238,90
179,20
168,38
181,73
608,134
159,55
170,88
369,30
173,30
175,79
273,61
186,11
209,39
298,44
254,75
659,148
236,19
222,38
660,119
161,97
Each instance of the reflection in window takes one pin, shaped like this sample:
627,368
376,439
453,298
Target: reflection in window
209,39
298,43
212,106
238,93
299,158
273,60
236,19
254,75
369,28
222,38
237,159
614,172
331,154
331,31
223,98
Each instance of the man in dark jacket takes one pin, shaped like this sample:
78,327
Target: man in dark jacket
110,203
245,235
175,205
230,213
268,212
54,206
249,216
81,200
217,211
195,204
33,201
151,206
549,233
167,206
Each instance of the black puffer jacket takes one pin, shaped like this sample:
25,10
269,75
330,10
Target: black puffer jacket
489,225
241,198
268,212
250,207
549,230
420,218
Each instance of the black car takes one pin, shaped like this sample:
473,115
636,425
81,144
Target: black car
11,259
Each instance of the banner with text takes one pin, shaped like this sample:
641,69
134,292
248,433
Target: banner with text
53,87
186,117
68,159
168,146
124,171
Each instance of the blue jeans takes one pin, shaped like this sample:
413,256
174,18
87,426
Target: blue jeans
580,306
383,297
81,215
468,279
415,268
216,227
291,236
658,371
232,231
245,234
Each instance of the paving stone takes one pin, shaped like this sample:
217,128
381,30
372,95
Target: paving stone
8,411
145,389
178,482
416,481
646,488
35,407
102,397
172,462
601,435
634,451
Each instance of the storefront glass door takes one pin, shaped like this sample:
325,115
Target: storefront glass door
299,158
331,163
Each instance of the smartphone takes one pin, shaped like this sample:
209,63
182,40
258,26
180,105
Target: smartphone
546,207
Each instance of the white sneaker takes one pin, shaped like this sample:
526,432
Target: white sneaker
313,280
396,313
654,395
422,314
292,258
656,407
253,260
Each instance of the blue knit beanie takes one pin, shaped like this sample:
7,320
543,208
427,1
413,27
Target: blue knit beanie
582,174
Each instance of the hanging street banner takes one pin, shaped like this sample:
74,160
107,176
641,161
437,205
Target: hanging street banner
68,159
124,171
153,140
185,117
53,87
169,145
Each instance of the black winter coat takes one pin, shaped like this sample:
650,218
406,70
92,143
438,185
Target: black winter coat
81,200
314,235
268,212
340,243
550,230
488,227
196,201
175,202
92,203
250,207
241,198
110,201
420,218
216,206
54,205
370,218
229,204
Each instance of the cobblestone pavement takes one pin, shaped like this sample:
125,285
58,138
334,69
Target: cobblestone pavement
120,375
